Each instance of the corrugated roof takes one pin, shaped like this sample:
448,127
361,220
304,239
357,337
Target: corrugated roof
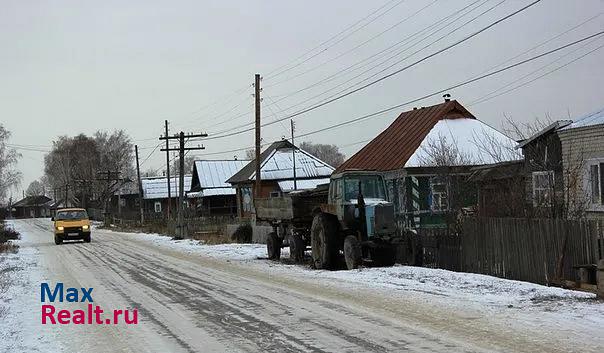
595,118
556,125
392,148
277,164
288,185
214,174
157,188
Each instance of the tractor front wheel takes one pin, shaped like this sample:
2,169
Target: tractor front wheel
352,252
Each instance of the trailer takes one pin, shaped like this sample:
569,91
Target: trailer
291,217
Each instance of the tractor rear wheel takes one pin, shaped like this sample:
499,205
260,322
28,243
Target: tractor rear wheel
352,252
324,247
296,248
273,246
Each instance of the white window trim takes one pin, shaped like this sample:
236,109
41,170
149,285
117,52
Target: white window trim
157,206
446,193
587,184
553,188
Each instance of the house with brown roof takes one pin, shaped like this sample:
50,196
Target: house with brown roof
426,155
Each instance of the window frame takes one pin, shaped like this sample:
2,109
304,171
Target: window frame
598,205
434,181
551,189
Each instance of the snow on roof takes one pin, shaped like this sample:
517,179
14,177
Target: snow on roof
280,166
288,185
157,188
467,135
595,118
214,174
277,163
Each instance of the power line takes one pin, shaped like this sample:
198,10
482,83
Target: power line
370,59
316,106
464,83
282,69
398,54
354,48
484,99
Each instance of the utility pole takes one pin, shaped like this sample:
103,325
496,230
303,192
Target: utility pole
140,186
181,151
168,168
257,105
294,154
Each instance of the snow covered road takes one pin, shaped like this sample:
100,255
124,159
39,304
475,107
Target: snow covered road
221,299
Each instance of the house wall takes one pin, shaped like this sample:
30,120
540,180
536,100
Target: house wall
544,154
579,147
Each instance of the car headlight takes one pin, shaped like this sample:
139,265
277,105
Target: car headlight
60,228
85,226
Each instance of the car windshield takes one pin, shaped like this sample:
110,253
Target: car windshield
71,215
371,186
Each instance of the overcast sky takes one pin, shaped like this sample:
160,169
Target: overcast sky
69,67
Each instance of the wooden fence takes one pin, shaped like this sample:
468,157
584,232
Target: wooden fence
515,248
530,249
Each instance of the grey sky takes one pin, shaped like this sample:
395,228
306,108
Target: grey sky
78,66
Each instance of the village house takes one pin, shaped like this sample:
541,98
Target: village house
33,207
210,192
582,144
544,187
426,156
155,194
277,175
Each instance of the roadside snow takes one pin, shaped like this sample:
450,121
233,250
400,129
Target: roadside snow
20,306
521,301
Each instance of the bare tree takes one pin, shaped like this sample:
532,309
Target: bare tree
250,154
329,154
35,188
9,176
189,162
523,130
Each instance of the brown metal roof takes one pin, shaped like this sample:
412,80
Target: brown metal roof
391,149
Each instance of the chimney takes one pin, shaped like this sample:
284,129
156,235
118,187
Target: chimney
447,97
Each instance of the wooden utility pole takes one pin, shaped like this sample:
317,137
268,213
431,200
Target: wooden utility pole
294,154
257,105
140,186
181,150
168,168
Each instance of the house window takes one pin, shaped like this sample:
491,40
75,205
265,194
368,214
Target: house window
246,199
157,207
274,194
596,183
440,199
543,188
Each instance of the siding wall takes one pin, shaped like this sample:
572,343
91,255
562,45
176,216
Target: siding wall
579,145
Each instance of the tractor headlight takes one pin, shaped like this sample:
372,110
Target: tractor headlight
85,227
60,228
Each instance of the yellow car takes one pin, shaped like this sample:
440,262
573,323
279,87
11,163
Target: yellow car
71,223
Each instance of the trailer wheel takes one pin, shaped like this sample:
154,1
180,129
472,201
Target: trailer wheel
296,248
273,246
352,252
323,232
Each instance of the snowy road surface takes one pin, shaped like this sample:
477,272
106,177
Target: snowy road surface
189,301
